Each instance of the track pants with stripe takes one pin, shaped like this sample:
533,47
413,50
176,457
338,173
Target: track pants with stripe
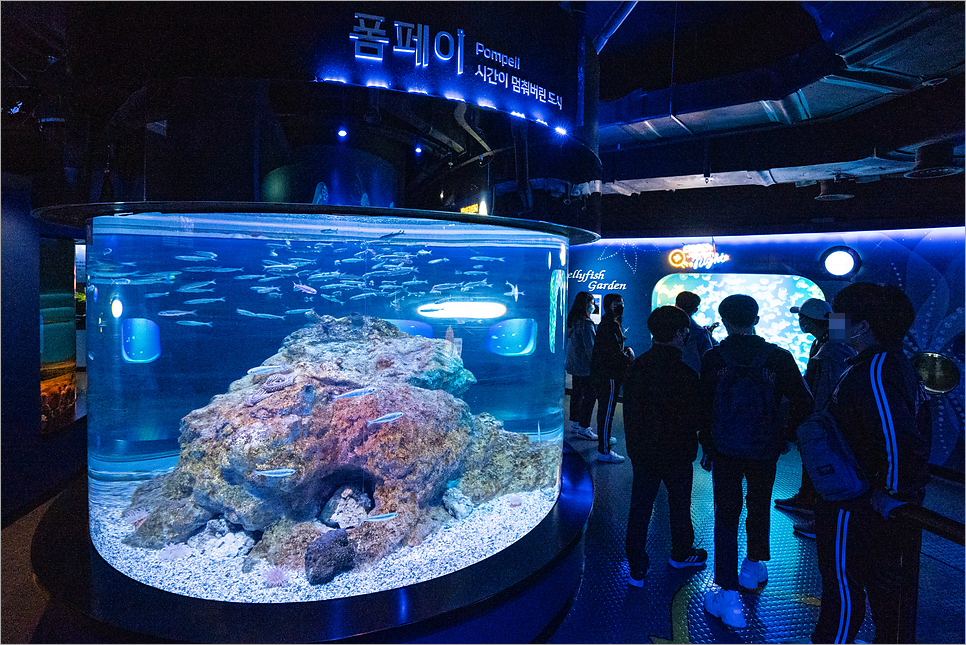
858,556
606,404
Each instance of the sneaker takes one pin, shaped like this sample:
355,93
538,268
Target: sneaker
805,528
697,558
797,503
636,578
611,457
585,433
726,605
752,574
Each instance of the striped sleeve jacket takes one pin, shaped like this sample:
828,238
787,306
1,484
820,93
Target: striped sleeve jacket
882,408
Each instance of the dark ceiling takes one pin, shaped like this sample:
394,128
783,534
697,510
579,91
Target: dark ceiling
713,117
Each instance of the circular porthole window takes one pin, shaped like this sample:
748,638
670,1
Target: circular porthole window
841,261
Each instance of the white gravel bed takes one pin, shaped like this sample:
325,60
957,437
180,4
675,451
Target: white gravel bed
490,528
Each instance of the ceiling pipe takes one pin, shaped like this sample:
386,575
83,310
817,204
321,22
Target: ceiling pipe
613,24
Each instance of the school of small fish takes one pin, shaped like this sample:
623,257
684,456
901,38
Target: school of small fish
387,271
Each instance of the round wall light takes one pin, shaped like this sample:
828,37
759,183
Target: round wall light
117,307
841,261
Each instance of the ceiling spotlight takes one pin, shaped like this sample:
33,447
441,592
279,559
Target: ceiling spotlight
934,160
418,150
343,133
841,261
832,191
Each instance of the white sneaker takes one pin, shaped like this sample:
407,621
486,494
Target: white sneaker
752,574
585,433
726,605
611,457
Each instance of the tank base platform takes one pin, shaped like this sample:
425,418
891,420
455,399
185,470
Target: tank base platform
517,595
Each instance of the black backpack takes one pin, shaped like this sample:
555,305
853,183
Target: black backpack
745,421
829,460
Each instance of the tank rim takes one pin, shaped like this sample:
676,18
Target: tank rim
78,214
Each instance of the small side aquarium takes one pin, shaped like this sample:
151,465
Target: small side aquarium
294,406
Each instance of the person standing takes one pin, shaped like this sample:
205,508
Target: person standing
826,362
745,379
581,332
699,338
662,414
608,364
881,409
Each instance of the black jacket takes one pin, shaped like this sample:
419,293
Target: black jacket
608,360
788,384
662,408
881,407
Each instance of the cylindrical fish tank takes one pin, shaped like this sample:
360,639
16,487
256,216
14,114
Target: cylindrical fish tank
294,403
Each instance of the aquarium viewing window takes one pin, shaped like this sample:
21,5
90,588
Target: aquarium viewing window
292,406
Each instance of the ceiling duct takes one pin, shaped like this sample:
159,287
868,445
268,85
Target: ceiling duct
833,191
934,160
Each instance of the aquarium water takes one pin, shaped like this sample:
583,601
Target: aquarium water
182,305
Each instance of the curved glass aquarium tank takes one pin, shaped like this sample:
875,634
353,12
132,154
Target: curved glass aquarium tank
303,405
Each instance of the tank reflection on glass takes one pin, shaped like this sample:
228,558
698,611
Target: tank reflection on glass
294,407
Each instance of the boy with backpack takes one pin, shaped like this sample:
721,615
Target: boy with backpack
745,379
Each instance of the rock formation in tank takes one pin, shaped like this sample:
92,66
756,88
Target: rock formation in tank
352,427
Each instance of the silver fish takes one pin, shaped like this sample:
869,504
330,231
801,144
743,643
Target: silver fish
484,258
389,236
359,392
386,418
264,289
177,312
380,518
226,269
194,286
349,261
268,369
296,312
207,254
366,294
475,272
273,316
304,288
249,276
331,298
277,472
156,295
245,312
194,323
438,260
202,301
192,258
270,278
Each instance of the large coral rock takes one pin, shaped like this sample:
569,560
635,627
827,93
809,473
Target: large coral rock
499,462
354,405
328,556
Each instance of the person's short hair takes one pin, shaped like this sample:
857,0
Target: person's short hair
609,298
664,322
739,310
887,309
688,300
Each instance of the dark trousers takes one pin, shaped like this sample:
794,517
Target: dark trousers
606,404
726,475
677,478
582,398
859,553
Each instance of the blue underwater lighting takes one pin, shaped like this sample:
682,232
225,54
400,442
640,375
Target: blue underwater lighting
513,337
140,340
464,309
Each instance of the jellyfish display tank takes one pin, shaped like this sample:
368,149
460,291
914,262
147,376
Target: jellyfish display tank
294,406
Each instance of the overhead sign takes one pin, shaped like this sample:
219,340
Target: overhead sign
519,58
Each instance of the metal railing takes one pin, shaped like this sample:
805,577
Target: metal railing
913,521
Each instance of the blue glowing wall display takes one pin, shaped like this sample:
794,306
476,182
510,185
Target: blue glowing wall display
776,323
513,337
140,340
780,271
518,58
